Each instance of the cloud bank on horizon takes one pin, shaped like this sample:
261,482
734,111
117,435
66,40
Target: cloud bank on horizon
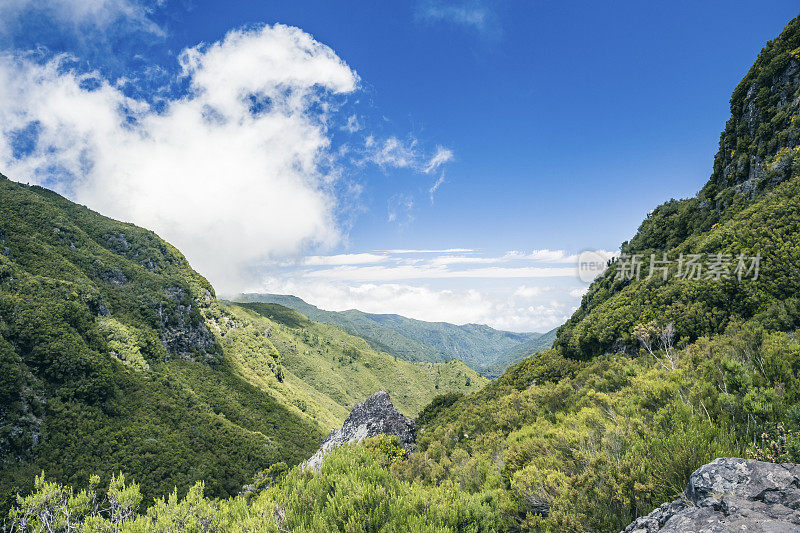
517,291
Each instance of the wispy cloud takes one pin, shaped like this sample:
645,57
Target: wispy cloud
431,251
400,210
522,291
344,259
423,271
435,187
353,124
391,152
78,15
443,155
471,14
423,302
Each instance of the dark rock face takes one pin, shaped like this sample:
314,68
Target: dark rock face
730,494
183,331
375,416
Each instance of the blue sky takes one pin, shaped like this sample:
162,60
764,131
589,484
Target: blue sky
443,160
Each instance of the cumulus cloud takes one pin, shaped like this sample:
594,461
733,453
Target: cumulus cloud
238,169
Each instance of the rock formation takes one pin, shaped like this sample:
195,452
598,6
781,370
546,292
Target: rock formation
731,494
375,416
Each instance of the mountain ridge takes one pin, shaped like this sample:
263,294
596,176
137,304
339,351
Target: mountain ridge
483,348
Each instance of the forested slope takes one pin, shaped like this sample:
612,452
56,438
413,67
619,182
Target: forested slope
652,377
116,356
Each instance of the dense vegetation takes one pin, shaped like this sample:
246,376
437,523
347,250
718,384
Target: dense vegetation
107,364
749,206
115,356
487,350
650,379
321,371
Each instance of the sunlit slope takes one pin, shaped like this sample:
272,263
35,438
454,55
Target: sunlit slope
480,347
106,363
326,371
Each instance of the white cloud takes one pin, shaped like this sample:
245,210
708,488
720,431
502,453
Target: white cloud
533,291
433,251
400,209
578,292
392,152
343,259
529,292
353,124
427,303
427,271
78,14
443,155
435,187
474,15
237,170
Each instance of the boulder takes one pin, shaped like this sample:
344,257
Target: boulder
375,416
731,494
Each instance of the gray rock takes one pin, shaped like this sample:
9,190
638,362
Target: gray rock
183,331
731,494
375,416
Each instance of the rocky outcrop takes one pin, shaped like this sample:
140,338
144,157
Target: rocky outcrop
375,416
731,494
183,329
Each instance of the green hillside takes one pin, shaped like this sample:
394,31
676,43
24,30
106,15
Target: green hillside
487,350
107,364
652,378
748,207
324,371
116,356
649,379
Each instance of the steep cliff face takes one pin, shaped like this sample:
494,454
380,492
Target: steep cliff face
731,494
748,208
758,147
375,416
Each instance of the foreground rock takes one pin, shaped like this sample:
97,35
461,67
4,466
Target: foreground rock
375,416
730,494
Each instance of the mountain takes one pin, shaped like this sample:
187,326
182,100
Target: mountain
656,375
653,377
487,350
322,370
747,208
514,355
116,356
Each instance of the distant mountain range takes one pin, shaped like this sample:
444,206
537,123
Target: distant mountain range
487,350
